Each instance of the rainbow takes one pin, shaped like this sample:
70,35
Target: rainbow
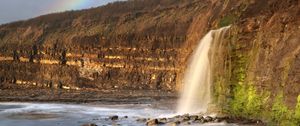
63,5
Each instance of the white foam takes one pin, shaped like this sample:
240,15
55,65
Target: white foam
85,109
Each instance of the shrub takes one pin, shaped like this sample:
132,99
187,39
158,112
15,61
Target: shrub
297,112
280,113
227,20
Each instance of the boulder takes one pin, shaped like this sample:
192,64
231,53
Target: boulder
152,122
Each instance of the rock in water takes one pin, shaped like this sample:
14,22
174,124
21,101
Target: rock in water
163,120
193,117
186,117
209,119
152,122
141,120
90,124
115,117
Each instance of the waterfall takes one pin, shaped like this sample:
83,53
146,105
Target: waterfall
196,93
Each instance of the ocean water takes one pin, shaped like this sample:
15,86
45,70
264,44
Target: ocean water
47,114
50,114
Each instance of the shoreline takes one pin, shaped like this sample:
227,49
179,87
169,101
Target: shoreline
85,96
118,118
153,98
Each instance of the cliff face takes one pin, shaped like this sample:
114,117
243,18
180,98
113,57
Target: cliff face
258,68
145,44
125,45
272,42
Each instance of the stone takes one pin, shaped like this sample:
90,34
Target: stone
177,122
178,116
141,120
203,120
197,121
163,120
186,123
200,117
217,120
90,124
222,119
152,122
186,117
193,117
172,124
209,119
115,117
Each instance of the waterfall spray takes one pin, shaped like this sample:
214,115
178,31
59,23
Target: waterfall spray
196,94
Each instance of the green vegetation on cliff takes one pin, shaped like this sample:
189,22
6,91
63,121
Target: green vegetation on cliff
296,113
246,98
280,114
245,101
227,20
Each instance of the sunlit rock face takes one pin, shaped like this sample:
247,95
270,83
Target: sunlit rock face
103,48
108,69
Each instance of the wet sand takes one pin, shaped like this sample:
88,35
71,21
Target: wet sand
85,96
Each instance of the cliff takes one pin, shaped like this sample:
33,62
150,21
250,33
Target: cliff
124,45
145,45
257,71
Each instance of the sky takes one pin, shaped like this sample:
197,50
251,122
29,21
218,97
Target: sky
14,10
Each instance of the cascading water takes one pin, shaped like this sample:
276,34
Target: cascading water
196,95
